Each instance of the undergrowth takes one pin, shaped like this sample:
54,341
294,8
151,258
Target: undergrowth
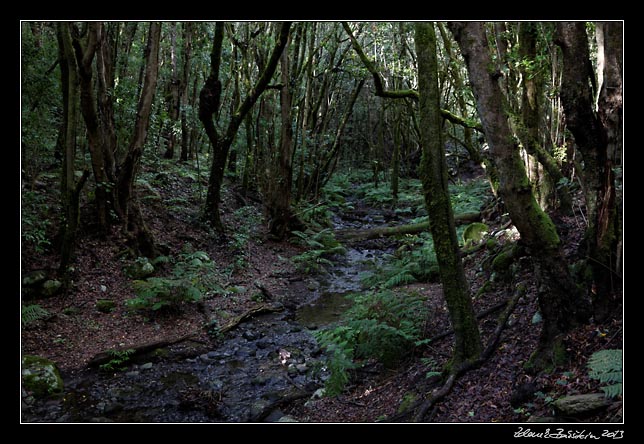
381,325
320,245
606,367
193,275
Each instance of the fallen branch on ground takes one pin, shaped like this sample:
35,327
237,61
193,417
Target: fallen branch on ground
260,309
106,356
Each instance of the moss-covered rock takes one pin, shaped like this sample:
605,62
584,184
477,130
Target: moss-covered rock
40,376
140,268
51,287
474,233
105,305
580,405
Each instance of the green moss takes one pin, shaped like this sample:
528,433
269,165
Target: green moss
474,233
40,376
503,260
407,401
105,305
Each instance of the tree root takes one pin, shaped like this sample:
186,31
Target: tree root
440,393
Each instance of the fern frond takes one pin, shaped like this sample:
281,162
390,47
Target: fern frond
606,366
32,313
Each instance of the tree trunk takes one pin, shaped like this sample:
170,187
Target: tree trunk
560,303
209,99
185,77
595,134
136,230
434,175
528,128
279,198
173,97
70,190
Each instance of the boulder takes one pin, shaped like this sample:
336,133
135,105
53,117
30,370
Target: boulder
474,233
579,405
51,287
34,278
140,268
40,376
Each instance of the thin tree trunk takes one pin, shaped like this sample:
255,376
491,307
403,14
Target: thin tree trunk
468,346
137,232
70,190
185,77
595,134
173,98
560,303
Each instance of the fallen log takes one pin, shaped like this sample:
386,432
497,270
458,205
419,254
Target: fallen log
134,350
353,235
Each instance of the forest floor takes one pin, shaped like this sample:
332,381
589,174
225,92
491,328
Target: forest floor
77,331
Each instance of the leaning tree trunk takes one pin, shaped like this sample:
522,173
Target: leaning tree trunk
209,100
595,133
136,229
559,299
434,176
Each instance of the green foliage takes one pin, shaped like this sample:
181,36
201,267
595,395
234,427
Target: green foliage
34,224
247,220
415,261
193,276
32,313
381,325
468,197
320,245
118,361
606,366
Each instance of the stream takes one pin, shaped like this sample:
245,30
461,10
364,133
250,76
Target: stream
256,369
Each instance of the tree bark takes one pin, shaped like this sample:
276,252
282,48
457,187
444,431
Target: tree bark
185,81
209,99
434,176
595,133
173,96
560,303
279,199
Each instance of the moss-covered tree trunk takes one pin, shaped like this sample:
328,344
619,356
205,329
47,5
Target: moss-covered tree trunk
595,133
527,128
434,178
560,301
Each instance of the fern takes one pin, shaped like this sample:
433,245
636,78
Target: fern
321,245
381,325
32,313
606,366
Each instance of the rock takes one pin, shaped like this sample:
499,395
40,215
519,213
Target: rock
40,376
302,368
543,419
287,418
105,305
249,335
132,374
34,278
274,416
579,405
319,393
140,268
474,233
146,366
51,287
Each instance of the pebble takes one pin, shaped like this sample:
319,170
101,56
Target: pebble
132,374
146,366
301,368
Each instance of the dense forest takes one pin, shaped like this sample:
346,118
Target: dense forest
321,221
